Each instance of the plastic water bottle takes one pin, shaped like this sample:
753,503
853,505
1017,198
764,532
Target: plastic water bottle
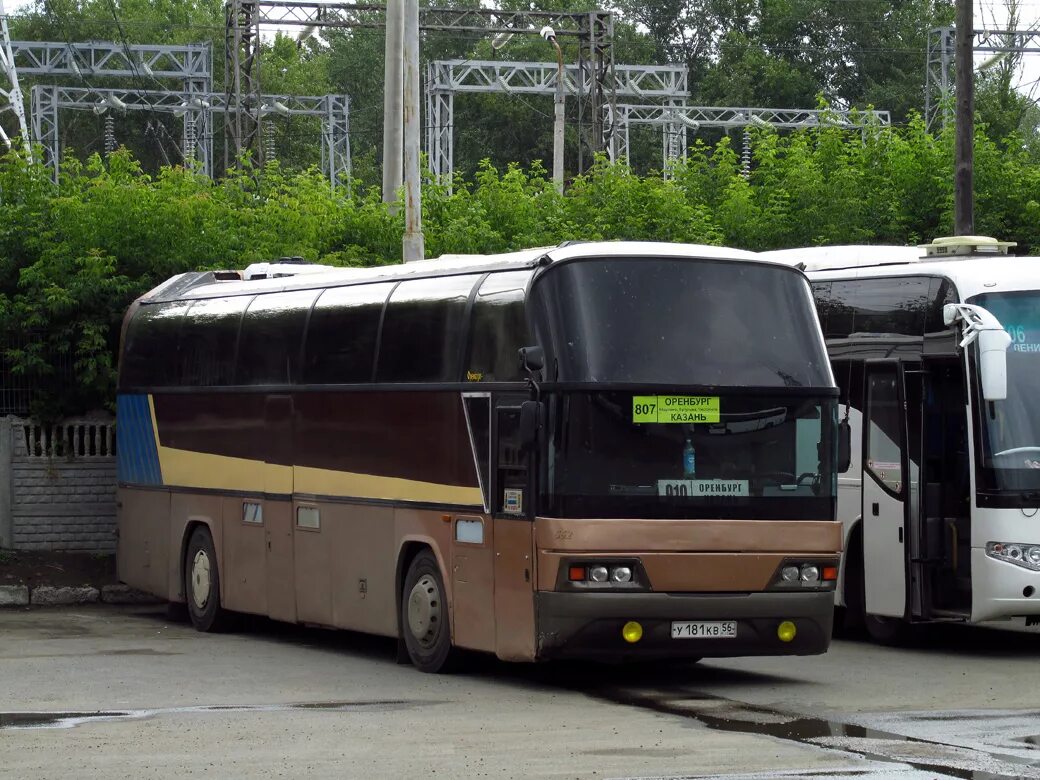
689,460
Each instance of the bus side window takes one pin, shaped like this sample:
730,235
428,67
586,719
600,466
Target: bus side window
422,329
209,340
884,438
511,466
272,331
499,329
341,334
150,353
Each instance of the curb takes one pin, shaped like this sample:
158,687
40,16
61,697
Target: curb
47,595
124,594
14,595
51,596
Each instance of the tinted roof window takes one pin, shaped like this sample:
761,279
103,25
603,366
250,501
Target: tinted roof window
498,328
341,336
150,351
272,334
206,350
422,331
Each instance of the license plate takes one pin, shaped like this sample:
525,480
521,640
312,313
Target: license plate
718,629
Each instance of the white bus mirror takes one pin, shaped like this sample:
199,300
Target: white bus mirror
993,341
993,346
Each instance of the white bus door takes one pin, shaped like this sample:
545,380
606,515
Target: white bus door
884,491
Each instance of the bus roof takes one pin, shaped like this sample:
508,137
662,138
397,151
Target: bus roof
821,258
987,269
282,276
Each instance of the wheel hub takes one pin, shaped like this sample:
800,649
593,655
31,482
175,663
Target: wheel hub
424,610
200,579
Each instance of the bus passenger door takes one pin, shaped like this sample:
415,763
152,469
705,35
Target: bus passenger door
472,542
511,507
884,491
278,514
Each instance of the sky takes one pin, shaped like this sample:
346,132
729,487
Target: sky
989,14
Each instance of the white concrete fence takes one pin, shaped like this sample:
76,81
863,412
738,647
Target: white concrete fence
58,484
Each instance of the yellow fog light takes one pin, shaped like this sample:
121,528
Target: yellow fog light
632,632
785,631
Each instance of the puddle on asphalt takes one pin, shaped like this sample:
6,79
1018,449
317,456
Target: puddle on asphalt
726,715
65,720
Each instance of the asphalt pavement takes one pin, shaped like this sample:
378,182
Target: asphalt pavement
107,692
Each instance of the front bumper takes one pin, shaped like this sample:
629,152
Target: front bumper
588,625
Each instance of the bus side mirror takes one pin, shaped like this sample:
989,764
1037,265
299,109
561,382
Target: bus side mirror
844,446
979,325
532,359
530,423
993,346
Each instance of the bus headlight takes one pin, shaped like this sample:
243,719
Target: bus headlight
1024,555
808,575
621,574
599,574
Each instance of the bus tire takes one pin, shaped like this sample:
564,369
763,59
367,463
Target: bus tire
424,616
892,631
202,583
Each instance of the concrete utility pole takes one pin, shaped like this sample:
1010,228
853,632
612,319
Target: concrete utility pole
558,115
393,112
412,245
964,154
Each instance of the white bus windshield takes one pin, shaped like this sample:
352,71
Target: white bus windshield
1011,428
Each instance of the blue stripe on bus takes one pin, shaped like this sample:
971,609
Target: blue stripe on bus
137,459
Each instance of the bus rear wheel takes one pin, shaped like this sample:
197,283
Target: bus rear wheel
424,616
202,583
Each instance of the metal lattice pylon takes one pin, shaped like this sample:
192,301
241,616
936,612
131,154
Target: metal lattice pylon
335,140
197,111
12,95
677,119
593,29
938,84
445,78
938,77
191,64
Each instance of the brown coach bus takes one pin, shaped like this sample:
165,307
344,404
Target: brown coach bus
601,450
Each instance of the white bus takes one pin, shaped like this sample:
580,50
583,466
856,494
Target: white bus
938,349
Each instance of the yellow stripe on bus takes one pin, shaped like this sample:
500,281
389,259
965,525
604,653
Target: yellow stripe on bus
326,482
185,468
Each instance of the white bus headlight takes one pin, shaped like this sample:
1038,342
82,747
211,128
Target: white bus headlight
789,574
1025,555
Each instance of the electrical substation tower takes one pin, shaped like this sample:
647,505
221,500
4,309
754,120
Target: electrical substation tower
938,74
654,84
594,31
11,98
333,110
191,65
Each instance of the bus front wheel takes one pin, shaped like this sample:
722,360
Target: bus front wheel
424,616
202,583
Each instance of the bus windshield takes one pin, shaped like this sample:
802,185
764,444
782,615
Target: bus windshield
624,454
1011,428
678,321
